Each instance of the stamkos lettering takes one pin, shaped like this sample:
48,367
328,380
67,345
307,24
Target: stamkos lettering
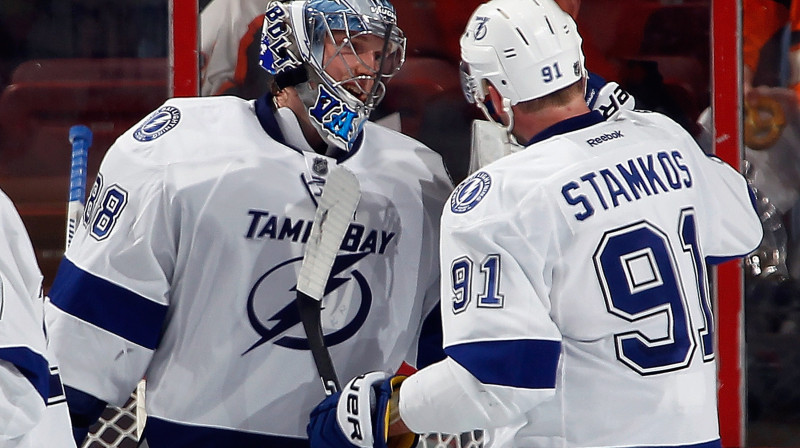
264,225
604,138
628,181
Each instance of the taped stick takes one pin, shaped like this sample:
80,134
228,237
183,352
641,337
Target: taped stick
80,137
334,213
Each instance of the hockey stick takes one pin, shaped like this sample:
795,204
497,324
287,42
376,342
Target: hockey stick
80,137
334,212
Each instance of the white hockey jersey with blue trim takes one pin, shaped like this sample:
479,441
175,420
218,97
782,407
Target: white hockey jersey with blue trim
33,410
575,301
185,266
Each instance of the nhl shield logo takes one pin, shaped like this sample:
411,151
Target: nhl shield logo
320,166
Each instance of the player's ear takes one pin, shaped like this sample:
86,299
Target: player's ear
494,103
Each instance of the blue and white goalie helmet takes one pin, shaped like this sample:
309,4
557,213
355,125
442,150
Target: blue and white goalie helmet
339,54
526,49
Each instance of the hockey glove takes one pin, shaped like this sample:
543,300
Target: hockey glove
358,416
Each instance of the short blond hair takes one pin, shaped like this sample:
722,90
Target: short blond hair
560,97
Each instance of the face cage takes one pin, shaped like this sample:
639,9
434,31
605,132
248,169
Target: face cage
468,84
470,88
391,59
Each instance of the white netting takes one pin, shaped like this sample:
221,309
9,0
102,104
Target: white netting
472,439
115,429
119,427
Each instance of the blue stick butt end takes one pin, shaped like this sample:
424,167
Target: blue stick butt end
80,132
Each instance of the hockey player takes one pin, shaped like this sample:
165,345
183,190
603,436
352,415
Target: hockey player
184,268
575,306
33,412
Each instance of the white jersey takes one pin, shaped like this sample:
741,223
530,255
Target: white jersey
185,267
33,411
229,32
575,303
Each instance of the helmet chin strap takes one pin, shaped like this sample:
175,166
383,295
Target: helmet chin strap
510,127
510,113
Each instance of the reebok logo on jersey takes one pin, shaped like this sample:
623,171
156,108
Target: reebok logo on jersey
604,138
470,192
162,120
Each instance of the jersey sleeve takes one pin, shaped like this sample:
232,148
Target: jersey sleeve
109,298
502,347
24,370
735,228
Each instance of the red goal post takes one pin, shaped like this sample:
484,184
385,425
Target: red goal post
726,100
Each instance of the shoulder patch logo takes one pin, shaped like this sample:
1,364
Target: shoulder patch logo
470,192
162,120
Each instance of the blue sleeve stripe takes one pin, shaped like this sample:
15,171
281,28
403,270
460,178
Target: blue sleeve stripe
108,306
711,444
56,394
719,260
32,365
526,363
159,432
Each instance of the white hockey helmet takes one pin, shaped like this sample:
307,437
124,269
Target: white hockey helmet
294,36
526,48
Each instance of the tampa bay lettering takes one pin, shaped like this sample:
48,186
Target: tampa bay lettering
264,225
630,181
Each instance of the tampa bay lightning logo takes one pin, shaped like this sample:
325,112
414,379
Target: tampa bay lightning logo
162,120
470,192
283,327
482,29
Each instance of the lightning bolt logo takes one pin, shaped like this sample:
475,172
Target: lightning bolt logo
156,122
470,192
288,317
162,120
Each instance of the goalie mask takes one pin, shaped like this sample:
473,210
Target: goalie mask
526,49
339,54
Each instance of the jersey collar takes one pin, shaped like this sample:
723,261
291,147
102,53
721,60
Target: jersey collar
266,117
568,125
